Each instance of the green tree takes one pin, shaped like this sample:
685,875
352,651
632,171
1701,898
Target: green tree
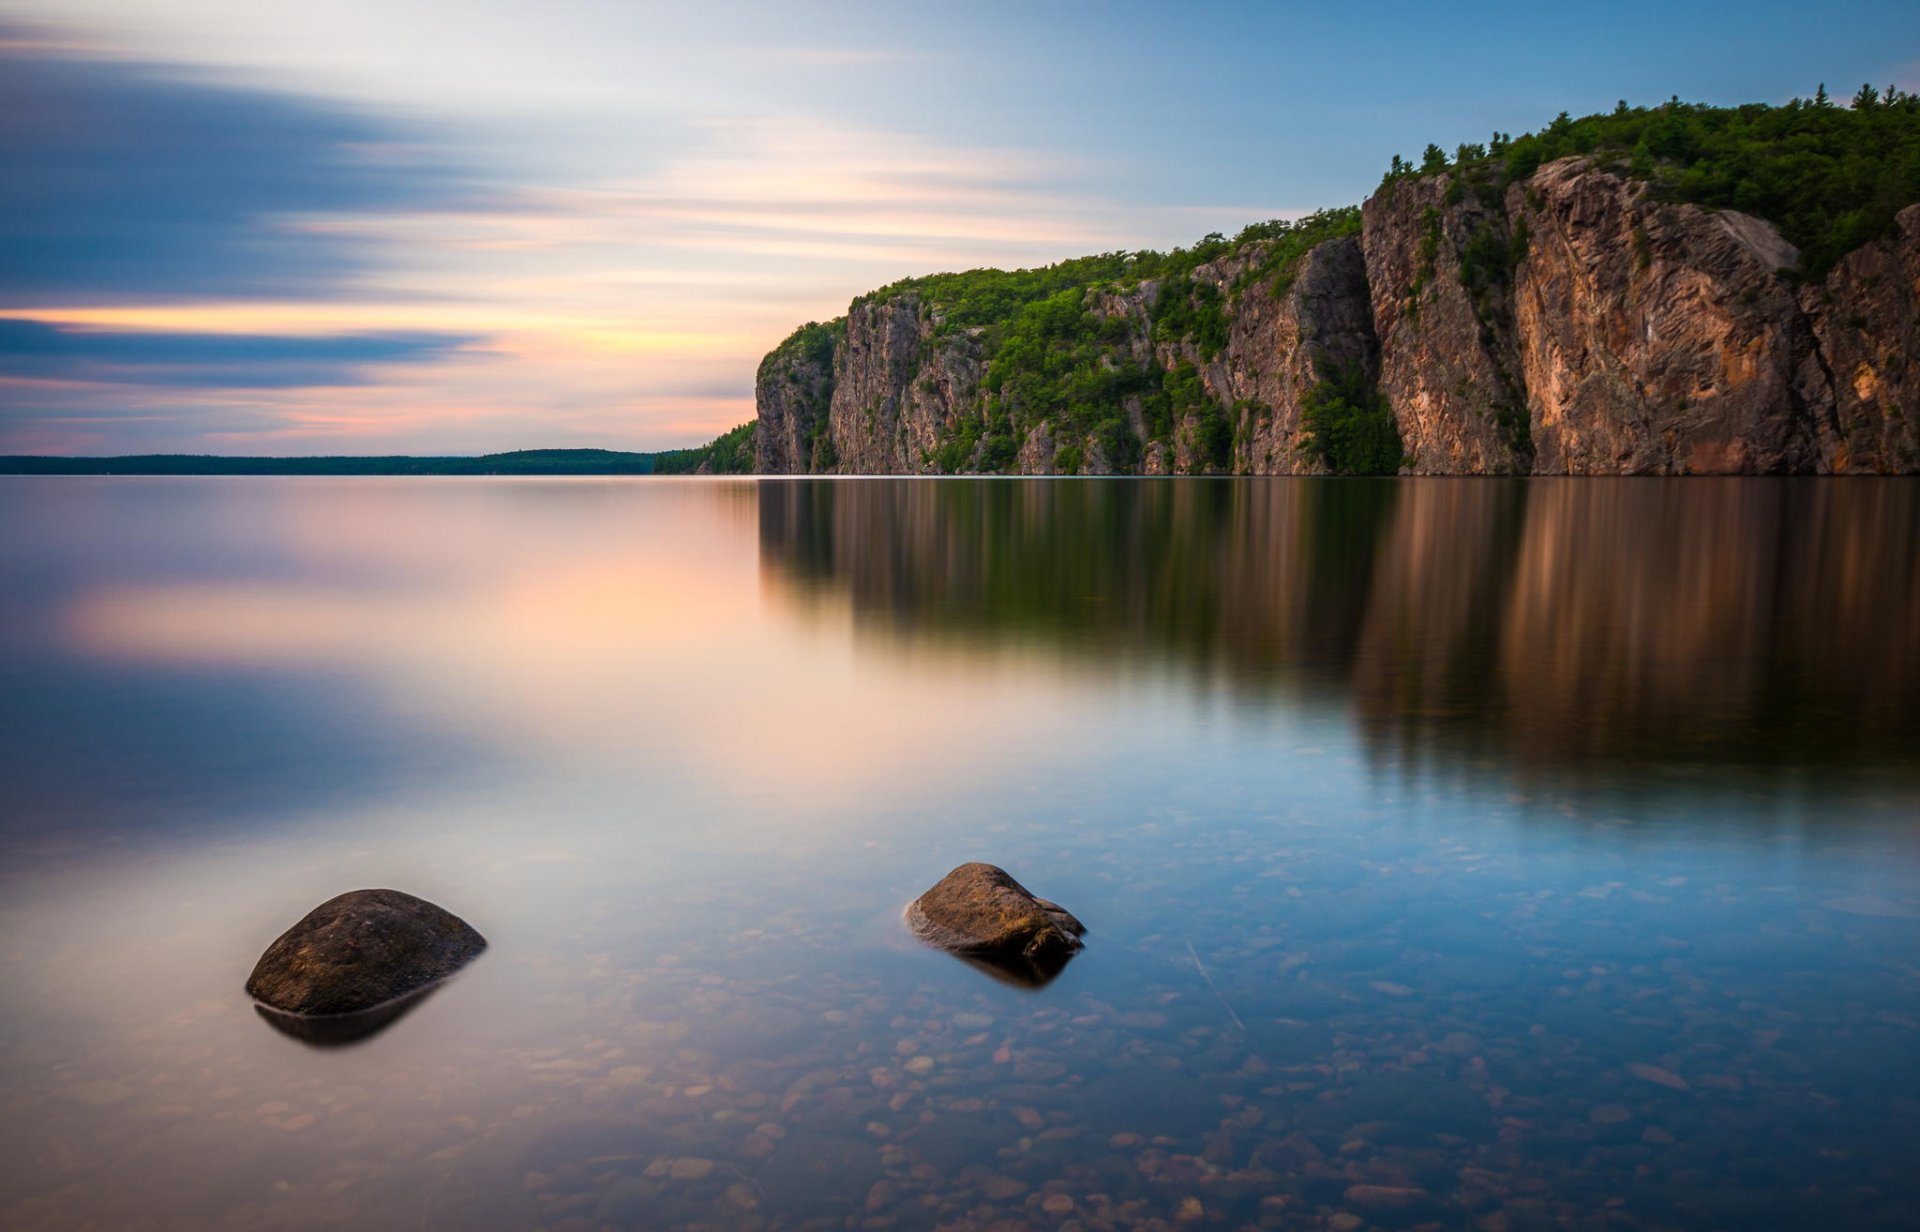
730,453
1349,425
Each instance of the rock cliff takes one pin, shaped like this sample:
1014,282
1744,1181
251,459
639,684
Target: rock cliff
1568,322
1866,332
1445,326
792,392
1660,339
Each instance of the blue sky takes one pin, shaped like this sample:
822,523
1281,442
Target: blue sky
364,227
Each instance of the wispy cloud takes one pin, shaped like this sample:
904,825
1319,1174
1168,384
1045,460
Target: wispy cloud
35,350
255,271
125,181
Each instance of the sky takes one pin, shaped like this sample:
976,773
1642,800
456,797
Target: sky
464,226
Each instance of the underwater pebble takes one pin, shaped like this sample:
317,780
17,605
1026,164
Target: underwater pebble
1654,1074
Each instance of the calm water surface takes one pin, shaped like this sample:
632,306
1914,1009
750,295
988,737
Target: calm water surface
1472,854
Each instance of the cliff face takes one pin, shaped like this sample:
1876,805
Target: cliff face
1564,324
1866,323
791,395
1659,339
1277,338
899,391
1274,345
1446,354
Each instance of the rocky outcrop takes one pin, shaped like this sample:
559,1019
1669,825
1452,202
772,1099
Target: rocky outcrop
1445,353
791,394
1866,323
1279,345
980,911
900,383
1566,324
360,951
1281,335
897,389
1659,339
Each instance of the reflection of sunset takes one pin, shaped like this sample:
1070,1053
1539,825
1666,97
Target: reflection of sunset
681,749
522,631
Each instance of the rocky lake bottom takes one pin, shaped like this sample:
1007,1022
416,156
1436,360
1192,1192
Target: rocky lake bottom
1452,855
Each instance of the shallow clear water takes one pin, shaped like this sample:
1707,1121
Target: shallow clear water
1465,853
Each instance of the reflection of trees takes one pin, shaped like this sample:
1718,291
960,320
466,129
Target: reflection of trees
1257,577
1544,622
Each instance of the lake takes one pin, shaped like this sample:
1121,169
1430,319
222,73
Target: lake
1454,853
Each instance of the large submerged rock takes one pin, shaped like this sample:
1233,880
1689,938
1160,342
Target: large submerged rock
981,912
362,950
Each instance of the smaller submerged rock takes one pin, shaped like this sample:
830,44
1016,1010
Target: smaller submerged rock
361,950
979,911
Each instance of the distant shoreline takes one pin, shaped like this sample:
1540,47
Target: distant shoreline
518,462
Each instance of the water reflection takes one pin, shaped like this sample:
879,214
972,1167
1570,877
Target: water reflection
342,1030
1017,972
1572,628
683,748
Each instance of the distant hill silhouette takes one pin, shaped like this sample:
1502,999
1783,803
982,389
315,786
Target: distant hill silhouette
518,462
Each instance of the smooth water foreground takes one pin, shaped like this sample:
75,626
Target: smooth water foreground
1463,854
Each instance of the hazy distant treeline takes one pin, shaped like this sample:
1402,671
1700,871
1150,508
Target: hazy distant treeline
519,462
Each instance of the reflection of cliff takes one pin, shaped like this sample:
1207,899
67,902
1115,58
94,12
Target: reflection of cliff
1539,623
1772,621
1259,578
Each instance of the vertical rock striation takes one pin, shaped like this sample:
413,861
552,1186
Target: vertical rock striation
1446,354
1866,324
1659,339
897,389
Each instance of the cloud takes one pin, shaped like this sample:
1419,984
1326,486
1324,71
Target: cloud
126,181
795,207
35,350
195,265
